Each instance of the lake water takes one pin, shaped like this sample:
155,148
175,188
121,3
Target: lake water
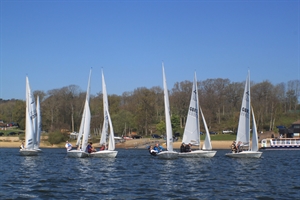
134,174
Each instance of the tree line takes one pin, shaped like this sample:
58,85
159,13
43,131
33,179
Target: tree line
142,110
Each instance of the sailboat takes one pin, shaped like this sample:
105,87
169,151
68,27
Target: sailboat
243,134
169,154
31,119
39,125
191,134
107,129
84,129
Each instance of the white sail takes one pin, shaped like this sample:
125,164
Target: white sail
30,118
111,140
105,113
191,132
104,132
107,129
207,141
244,149
31,124
243,134
86,129
107,123
80,133
167,114
85,113
254,133
39,123
192,129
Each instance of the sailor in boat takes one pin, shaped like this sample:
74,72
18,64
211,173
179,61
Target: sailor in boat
152,151
90,148
239,146
182,148
188,148
158,148
22,145
102,148
68,146
233,147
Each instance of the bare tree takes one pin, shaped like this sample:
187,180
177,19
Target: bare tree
180,100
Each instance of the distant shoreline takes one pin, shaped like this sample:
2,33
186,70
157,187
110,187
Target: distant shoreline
129,144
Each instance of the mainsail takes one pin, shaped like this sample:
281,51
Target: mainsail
167,114
191,132
31,118
243,134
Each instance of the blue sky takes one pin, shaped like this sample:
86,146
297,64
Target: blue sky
56,43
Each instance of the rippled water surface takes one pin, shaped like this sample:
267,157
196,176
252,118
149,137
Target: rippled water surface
134,174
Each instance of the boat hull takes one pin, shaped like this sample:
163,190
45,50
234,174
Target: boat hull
28,152
38,150
104,154
245,154
77,154
281,148
198,154
168,155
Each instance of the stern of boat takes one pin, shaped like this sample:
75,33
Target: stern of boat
245,154
104,154
167,155
198,154
77,154
28,152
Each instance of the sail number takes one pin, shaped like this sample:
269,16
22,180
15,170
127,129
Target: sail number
193,112
246,110
193,109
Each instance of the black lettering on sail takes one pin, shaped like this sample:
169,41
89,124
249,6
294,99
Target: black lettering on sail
30,141
195,95
33,115
247,96
246,110
193,111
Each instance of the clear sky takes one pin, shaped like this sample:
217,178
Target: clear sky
56,43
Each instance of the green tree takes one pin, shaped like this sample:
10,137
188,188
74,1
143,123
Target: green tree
161,127
57,137
175,120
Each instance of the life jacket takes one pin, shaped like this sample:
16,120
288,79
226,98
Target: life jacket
89,148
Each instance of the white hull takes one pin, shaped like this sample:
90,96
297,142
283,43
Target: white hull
245,154
198,154
28,152
38,150
77,154
104,154
167,155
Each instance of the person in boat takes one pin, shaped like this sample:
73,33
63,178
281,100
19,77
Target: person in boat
182,148
90,148
239,147
68,146
22,146
188,147
152,151
233,147
158,148
102,148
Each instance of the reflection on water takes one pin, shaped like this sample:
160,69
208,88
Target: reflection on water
134,174
28,162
